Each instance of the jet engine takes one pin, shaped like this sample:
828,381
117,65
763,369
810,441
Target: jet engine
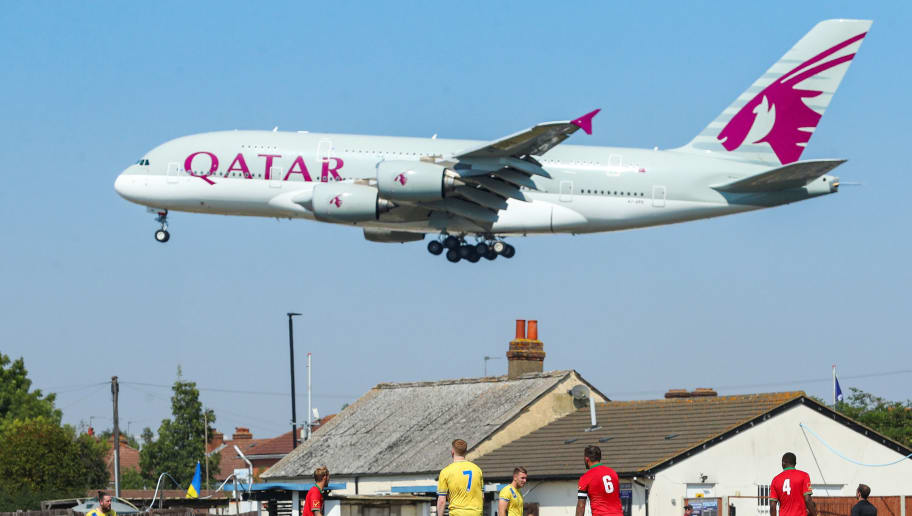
346,202
414,181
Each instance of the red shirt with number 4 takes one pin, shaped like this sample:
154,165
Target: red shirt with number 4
600,485
789,488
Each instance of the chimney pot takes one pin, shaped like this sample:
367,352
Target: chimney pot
520,328
533,330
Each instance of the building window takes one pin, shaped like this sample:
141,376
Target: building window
763,502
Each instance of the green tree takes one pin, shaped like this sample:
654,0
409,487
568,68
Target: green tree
890,418
133,479
180,443
16,402
40,460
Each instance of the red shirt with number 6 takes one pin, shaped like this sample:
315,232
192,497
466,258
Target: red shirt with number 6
789,488
600,485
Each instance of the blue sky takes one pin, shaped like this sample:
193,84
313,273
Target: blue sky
764,301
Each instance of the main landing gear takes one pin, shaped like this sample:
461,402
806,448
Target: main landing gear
458,249
162,234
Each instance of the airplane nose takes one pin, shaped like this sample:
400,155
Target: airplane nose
128,186
120,185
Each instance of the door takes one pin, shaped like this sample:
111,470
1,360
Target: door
566,191
324,151
276,174
173,171
658,196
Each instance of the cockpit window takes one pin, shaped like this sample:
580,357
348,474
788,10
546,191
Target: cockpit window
143,162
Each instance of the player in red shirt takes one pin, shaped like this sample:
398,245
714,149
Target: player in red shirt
790,491
600,485
313,503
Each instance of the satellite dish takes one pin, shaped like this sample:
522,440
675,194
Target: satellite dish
580,392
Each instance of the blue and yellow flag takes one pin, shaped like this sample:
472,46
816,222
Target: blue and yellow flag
194,489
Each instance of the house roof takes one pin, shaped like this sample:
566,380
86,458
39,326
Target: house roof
407,427
230,460
634,436
129,456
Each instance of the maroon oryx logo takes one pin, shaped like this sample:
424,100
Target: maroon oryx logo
336,201
783,104
401,179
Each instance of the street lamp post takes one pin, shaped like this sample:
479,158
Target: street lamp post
294,417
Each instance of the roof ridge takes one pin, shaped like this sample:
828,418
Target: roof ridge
465,381
787,395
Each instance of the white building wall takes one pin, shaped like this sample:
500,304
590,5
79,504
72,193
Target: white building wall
736,467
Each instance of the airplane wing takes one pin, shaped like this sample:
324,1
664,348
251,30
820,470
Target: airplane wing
793,175
497,171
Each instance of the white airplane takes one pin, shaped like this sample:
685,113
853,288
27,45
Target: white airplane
399,189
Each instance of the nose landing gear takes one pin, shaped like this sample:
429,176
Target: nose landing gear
162,235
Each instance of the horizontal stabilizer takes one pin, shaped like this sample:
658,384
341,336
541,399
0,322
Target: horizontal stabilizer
794,175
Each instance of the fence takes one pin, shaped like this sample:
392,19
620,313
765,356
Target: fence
842,505
154,512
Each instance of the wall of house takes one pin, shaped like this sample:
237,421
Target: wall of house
737,466
554,405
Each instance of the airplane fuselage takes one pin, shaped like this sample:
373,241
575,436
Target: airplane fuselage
590,189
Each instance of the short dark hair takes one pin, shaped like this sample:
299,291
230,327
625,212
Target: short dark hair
864,491
688,506
519,469
460,447
593,453
790,459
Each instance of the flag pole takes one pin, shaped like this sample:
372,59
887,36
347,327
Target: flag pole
834,385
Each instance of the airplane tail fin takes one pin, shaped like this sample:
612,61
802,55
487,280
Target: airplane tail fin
774,119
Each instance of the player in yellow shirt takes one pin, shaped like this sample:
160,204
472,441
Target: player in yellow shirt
510,502
104,506
462,483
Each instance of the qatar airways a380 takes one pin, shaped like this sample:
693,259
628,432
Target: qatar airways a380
472,195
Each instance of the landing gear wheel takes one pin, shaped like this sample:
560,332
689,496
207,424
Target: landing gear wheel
465,251
481,248
435,247
452,255
508,251
499,247
491,254
451,242
162,235
473,255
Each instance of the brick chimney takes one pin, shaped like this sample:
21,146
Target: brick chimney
676,393
241,433
704,392
217,440
526,353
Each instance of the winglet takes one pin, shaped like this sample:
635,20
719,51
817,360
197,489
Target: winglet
585,122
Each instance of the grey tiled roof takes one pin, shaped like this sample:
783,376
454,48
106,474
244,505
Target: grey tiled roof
407,427
634,436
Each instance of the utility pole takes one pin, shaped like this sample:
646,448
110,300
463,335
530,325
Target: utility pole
206,444
309,410
115,389
294,417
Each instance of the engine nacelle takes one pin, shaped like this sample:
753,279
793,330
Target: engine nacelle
414,181
346,202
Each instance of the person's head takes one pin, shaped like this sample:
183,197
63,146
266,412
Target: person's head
459,448
592,455
321,476
789,460
520,476
863,491
104,501
688,510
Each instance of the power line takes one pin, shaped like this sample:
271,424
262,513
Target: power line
238,391
779,384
